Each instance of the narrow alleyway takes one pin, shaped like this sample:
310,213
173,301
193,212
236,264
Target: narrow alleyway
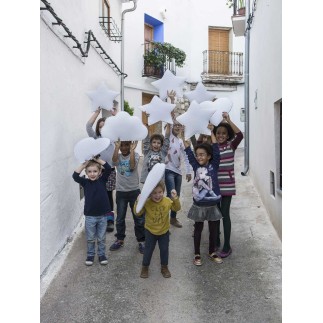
245,288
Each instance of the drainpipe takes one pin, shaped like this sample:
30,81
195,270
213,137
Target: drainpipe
246,92
122,51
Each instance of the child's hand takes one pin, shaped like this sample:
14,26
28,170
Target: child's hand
187,143
226,116
117,144
173,194
133,145
171,95
138,197
210,126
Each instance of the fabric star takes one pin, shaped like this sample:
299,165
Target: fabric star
196,118
222,105
158,110
169,82
102,97
200,94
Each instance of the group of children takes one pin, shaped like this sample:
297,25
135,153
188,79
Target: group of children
212,190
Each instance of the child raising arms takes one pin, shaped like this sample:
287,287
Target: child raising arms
206,195
229,136
156,211
96,206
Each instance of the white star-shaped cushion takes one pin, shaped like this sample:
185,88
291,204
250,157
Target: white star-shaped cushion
222,105
158,110
200,94
169,82
196,118
124,127
102,97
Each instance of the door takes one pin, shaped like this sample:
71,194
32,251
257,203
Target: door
218,51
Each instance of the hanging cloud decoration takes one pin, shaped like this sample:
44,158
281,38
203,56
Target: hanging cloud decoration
169,82
200,94
222,105
158,110
125,127
102,97
87,148
196,118
153,178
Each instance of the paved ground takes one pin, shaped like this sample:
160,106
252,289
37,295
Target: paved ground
245,288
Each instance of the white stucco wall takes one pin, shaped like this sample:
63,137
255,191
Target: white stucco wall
186,27
266,79
65,109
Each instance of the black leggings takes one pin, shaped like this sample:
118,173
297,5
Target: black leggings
110,196
225,210
213,234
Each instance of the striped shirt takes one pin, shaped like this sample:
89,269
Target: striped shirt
226,169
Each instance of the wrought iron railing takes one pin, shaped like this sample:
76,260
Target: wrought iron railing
110,28
156,63
223,63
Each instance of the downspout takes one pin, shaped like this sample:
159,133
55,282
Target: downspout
246,92
122,52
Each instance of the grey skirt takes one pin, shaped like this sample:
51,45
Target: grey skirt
204,213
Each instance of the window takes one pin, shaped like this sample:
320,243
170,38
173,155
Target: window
105,16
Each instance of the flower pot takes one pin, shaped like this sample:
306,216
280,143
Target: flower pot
241,11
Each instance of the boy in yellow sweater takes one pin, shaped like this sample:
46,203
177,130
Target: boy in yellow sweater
157,209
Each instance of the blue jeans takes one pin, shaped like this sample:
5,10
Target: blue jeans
173,181
163,243
122,200
95,228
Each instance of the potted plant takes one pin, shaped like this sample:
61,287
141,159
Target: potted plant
241,8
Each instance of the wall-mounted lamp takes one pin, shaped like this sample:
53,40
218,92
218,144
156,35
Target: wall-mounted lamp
163,13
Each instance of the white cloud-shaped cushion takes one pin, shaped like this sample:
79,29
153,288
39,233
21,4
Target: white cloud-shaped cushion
125,127
153,178
86,148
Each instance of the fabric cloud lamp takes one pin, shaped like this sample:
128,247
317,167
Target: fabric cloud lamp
87,148
200,94
124,127
158,110
102,97
169,82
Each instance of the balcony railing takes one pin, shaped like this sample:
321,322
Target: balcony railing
156,63
239,8
110,28
222,63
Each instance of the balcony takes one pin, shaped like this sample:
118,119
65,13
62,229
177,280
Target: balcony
238,18
110,28
222,67
159,57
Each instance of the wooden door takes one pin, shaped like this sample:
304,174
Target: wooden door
218,51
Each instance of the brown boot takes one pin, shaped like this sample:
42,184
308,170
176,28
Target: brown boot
165,272
144,272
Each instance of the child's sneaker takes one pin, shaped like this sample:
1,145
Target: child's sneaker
116,245
165,271
197,260
144,272
89,260
214,257
110,226
141,247
103,260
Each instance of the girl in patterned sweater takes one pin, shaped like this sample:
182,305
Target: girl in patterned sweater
229,136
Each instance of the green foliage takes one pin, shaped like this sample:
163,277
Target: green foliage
157,56
127,108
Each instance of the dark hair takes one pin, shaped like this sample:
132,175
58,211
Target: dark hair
207,147
225,125
97,129
158,137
